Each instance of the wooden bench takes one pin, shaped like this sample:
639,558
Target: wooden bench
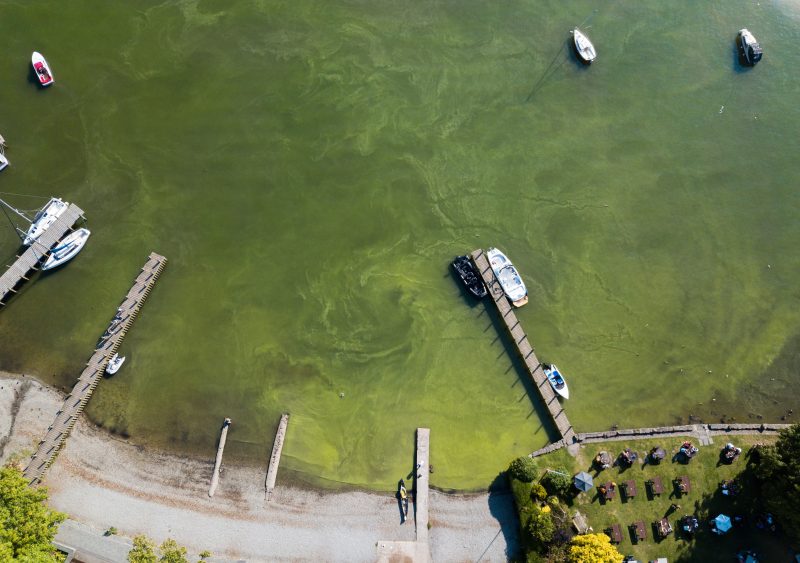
663,527
683,485
629,487
615,533
639,530
656,486
608,490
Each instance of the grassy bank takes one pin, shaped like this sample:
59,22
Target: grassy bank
705,500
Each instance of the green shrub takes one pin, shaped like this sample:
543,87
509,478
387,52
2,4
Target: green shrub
541,528
558,483
538,492
205,554
523,469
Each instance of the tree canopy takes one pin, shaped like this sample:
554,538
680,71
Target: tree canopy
779,474
27,525
523,469
144,551
593,548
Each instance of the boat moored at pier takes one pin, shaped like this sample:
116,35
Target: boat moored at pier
44,218
556,380
469,277
67,249
508,277
114,364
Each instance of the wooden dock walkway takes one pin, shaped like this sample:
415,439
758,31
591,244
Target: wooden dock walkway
275,459
107,346
422,472
524,347
223,436
35,253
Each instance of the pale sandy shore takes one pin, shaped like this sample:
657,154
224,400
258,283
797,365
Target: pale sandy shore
101,481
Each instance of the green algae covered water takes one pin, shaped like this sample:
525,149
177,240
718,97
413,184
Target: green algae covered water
310,169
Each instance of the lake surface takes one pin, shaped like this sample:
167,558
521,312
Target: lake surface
311,168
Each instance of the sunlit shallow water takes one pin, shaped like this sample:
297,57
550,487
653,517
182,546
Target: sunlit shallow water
310,168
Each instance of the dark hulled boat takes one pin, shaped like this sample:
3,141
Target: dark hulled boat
749,49
469,277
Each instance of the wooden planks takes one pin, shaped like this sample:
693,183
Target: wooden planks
36,252
223,435
107,346
422,473
275,459
524,347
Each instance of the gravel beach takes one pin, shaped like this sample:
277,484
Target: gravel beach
103,481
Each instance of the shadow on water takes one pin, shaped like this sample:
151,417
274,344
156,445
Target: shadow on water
510,351
550,71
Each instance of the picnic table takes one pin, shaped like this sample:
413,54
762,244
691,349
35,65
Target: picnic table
630,488
684,485
664,527
608,490
640,530
656,486
615,533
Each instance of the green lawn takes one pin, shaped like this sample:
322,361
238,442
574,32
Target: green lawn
705,500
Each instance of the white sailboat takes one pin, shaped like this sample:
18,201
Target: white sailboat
43,218
3,161
67,249
46,216
583,46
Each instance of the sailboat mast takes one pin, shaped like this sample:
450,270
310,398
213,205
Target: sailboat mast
15,210
20,232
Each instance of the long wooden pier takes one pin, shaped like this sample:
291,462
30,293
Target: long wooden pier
36,252
524,348
107,346
275,459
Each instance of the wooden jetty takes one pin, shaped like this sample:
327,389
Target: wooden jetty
223,435
107,346
29,260
275,459
524,348
421,475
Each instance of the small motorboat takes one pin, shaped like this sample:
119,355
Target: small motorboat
469,277
750,49
42,69
583,46
3,161
556,380
44,218
508,277
67,249
114,364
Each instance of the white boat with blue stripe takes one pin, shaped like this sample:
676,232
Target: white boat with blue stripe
556,380
67,249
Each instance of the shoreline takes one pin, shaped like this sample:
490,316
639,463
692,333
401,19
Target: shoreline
101,480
